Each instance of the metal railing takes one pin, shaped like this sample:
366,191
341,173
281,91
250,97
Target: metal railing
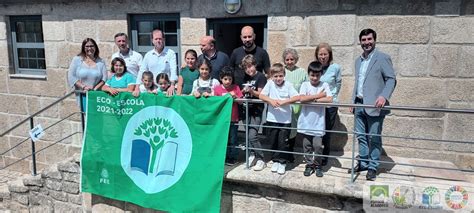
30,119
353,158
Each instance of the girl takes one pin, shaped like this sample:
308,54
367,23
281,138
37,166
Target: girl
121,80
188,74
148,85
228,87
203,86
163,83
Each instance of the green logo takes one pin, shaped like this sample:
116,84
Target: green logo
379,195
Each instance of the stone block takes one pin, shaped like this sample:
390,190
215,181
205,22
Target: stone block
21,198
380,8
4,58
192,29
15,164
306,56
460,90
40,209
23,148
56,153
106,50
51,54
393,29
4,146
3,30
22,130
335,30
33,181
344,56
55,79
276,46
58,195
56,131
53,111
66,207
465,161
415,60
290,207
347,5
249,204
66,51
3,79
69,167
108,28
312,6
429,93
67,107
82,29
72,177
40,199
457,30
17,207
17,186
33,104
345,94
52,173
448,7
70,187
422,7
53,184
391,50
73,150
460,127
277,23
444,61
297,33
54,30
15,104
466,64
75,199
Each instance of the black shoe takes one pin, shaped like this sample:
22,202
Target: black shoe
230,162
308,171
357,168
319,172
324,162
371,175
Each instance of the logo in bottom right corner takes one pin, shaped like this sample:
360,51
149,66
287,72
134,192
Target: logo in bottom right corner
456,197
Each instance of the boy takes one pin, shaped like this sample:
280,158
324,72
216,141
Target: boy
311,123
254,83
279,94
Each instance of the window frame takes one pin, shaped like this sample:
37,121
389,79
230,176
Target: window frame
26,45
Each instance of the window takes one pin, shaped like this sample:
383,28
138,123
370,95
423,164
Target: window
142,25
28,45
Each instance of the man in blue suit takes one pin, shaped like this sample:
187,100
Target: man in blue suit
374,84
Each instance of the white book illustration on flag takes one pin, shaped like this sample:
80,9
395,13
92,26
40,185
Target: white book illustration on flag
167,159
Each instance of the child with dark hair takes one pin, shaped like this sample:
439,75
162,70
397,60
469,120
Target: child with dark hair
204,85
188,74
228,87
163,82
121,80
311,122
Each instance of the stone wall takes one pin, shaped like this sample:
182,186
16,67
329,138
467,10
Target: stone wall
430,42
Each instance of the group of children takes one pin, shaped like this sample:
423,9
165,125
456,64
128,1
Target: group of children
279,94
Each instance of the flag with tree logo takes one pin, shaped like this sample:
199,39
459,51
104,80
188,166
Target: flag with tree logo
165,153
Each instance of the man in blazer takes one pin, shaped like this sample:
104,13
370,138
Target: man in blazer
374,84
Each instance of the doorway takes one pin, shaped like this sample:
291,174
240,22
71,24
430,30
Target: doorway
226,31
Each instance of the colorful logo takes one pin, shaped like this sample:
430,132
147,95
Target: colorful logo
403,197
379,196
431,198
156,148
456,197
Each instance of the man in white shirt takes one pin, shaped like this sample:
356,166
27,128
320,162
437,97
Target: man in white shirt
132,59
159,60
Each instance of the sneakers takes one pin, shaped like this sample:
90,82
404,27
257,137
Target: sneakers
251,160
229,161
275,166
259,166
281,168
319,172
308,171
371,175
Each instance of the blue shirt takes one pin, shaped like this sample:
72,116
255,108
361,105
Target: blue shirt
126,80
332,76
363,70
164,62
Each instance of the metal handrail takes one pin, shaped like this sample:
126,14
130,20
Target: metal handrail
36,113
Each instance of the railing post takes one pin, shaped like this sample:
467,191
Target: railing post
33,152
354,137
247,154
81,103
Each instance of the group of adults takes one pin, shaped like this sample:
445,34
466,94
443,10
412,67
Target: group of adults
374,79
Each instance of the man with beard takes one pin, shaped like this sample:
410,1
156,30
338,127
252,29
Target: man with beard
374,84
247,36
132,59
217,58
159,60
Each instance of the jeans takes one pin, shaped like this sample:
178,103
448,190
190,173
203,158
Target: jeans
370,147
232,151
254,142
330,120
279,140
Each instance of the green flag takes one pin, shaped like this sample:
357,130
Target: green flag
165,153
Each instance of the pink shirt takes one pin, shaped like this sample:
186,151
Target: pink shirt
220,90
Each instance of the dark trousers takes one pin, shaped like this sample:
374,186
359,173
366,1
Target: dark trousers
330,119
279,139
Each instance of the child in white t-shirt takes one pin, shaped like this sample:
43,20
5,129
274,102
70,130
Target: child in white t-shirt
311,123
279,94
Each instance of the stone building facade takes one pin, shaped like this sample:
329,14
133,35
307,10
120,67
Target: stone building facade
431,44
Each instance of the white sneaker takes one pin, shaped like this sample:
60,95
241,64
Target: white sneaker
259,166
281,168
251,160
275,166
